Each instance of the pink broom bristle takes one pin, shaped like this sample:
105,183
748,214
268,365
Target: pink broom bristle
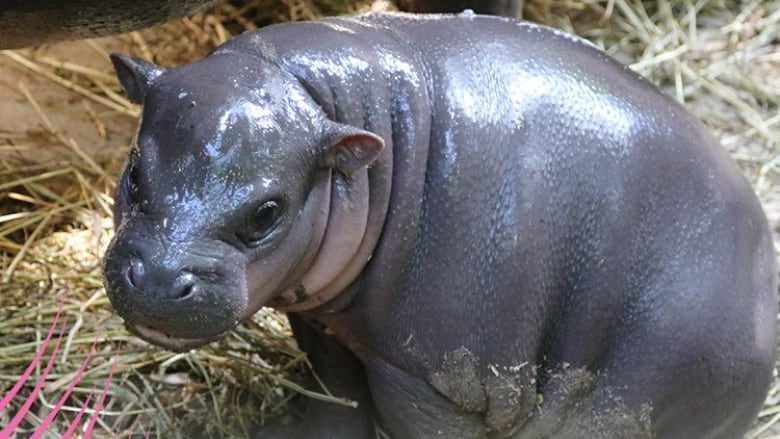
99,405
50,417
9,429
75,422
23,379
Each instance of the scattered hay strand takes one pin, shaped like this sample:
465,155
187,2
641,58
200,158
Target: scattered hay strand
110,103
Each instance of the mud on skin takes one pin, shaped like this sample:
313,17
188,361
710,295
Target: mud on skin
480,228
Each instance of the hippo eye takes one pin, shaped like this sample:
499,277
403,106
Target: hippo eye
263,220
132,184
132,178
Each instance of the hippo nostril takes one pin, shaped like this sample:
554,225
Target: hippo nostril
186,292
184,286
135,273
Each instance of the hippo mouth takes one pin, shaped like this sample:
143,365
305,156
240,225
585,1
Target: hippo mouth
177,344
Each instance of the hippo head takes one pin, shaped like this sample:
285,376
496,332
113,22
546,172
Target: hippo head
224,201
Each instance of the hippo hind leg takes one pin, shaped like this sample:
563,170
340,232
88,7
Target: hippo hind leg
343,375
669,374
696,384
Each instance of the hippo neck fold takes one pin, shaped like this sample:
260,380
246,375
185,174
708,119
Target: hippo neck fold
383,91
344,250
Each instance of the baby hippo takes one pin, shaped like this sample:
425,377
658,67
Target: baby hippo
480,228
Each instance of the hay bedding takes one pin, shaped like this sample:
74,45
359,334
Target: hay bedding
64,130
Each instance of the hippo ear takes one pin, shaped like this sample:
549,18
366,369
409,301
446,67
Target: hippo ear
349,149
135,75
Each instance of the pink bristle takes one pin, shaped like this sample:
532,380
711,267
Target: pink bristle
99,405
23,379
75,422
50,417
9,429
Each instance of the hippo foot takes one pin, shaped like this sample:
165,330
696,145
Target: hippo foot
318,420
343,375
278,427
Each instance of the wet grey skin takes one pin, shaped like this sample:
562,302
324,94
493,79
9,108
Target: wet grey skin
507,8
479,227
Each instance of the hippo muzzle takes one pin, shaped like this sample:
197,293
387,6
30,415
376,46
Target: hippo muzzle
173,294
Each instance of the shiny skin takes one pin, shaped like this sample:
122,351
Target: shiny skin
507,8
552,247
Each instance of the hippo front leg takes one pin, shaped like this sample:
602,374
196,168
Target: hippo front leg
343,375
409,407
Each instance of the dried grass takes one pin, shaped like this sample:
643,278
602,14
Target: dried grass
721,58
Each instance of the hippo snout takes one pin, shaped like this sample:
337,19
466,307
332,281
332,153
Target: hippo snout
176,296
177,285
